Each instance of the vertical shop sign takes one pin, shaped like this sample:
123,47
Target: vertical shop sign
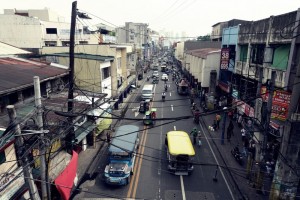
224,63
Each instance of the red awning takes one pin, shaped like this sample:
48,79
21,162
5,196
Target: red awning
64,182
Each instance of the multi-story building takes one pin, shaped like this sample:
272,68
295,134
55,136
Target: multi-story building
262,47
40,28
217,29
137,34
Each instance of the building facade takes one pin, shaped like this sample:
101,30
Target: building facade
40,28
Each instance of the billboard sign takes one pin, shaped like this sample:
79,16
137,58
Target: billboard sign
224,63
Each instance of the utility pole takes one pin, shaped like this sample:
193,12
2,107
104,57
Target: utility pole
34,195
70,136
271,83
38,105
71,55
258,94
256,113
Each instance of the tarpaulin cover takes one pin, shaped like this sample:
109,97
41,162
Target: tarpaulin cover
64,182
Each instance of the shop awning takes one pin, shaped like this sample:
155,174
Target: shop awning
57,164
65,181
84,130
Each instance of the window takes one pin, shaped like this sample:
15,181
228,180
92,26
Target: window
83,42
51,30
281,56
50,43
65,43
105,73
257,56
243,54
2,157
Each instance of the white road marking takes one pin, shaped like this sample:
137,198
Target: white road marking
217,162
182,188
172,107
174,128
170,94
136,114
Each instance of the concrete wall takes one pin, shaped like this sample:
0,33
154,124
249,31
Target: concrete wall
212,62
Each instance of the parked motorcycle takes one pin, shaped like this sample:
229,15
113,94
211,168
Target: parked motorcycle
237,155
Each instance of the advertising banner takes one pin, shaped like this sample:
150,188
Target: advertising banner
280,104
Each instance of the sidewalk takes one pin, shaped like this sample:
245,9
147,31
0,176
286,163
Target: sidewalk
241,186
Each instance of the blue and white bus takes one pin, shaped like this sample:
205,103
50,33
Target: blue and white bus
122,151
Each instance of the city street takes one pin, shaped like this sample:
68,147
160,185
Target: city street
151,179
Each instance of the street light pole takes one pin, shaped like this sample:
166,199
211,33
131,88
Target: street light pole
224,124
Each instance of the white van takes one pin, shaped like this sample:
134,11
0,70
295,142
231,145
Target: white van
147,92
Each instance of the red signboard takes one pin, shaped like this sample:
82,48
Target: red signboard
280,103
224,63
243,107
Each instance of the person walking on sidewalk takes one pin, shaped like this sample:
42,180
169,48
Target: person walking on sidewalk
243,133
230,130
218,119
108,136
194,133
239,120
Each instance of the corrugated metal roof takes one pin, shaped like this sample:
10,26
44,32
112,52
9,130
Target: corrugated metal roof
83,56
202,53
18,73
6,49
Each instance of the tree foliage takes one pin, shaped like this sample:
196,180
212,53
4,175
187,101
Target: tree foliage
204,38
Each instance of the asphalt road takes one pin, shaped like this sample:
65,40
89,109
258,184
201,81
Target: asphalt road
151,179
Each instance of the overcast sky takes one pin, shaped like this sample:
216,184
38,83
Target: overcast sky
194,17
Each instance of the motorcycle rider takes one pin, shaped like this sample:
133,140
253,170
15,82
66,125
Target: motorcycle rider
196,115
148,78
163,96
166,87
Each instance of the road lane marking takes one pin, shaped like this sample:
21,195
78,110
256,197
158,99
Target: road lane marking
182,188
136,114
217,162
135,168
141,153
140,164
172,107
170,94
